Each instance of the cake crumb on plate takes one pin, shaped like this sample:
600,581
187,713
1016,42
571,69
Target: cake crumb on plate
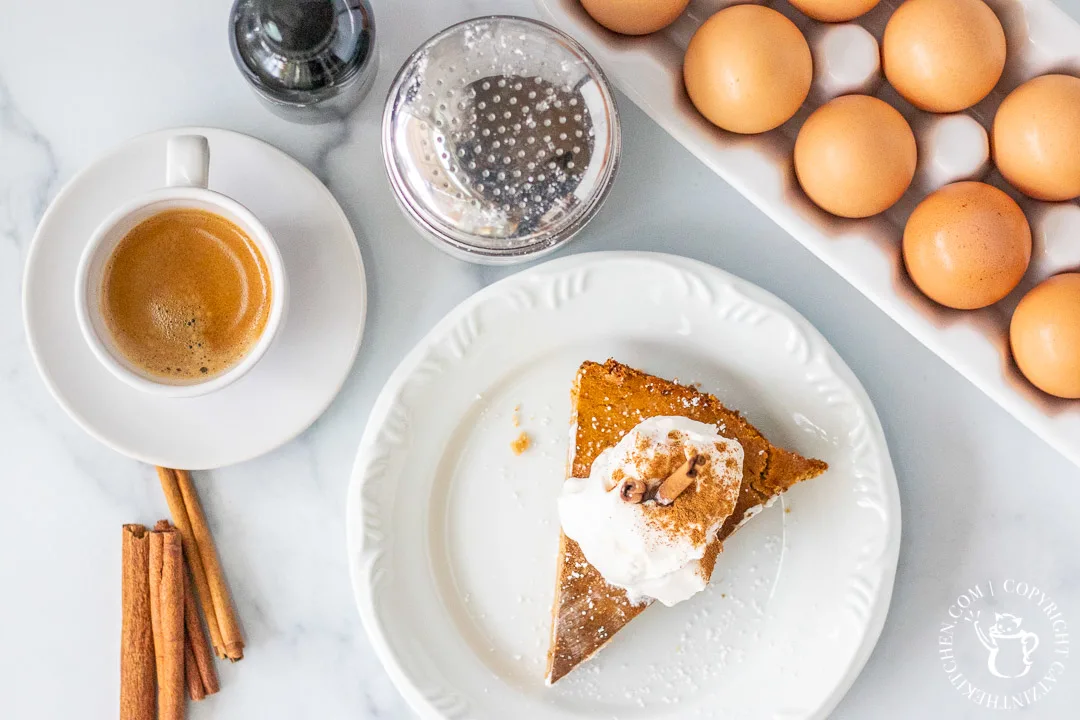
521,444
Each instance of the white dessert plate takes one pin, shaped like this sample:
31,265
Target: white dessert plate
291,385
1041,39
452,537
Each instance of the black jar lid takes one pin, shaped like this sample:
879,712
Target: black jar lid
301,51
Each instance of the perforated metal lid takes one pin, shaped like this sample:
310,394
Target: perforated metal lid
501,138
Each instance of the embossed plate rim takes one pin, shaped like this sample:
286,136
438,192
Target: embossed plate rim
373,481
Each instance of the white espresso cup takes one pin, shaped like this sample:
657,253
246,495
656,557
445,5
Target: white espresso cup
187,169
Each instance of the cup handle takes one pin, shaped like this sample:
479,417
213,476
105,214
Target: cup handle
187,161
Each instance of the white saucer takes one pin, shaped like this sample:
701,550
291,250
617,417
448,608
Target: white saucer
452,538
293,383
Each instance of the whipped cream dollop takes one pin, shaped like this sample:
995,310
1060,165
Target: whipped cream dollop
647,549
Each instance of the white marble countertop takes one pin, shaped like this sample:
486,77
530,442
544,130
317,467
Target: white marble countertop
983,498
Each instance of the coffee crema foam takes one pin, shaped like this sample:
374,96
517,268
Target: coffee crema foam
185,295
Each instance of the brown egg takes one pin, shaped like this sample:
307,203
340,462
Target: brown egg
835,10
748,69
1045,335
634,17
1037,137
967,245
943,55
855,156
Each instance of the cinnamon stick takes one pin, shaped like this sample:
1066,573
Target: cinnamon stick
167,617
633,490
228,623
202,679
156,552
171,486
682,478
137,666
191,675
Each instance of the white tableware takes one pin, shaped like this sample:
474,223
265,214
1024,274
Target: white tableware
847,60
452,538
1041,38
187,172
300,373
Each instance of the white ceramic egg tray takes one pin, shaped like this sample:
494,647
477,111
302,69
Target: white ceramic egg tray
1041,39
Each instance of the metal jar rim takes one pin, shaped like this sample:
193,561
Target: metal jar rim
457,242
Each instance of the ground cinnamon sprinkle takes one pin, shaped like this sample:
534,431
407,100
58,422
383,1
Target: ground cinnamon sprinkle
607,402
698,509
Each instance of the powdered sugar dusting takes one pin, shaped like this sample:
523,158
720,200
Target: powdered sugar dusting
680,652
649,550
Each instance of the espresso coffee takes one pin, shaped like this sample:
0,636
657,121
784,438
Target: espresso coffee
185,295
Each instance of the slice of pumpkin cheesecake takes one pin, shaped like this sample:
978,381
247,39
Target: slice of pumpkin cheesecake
610,404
